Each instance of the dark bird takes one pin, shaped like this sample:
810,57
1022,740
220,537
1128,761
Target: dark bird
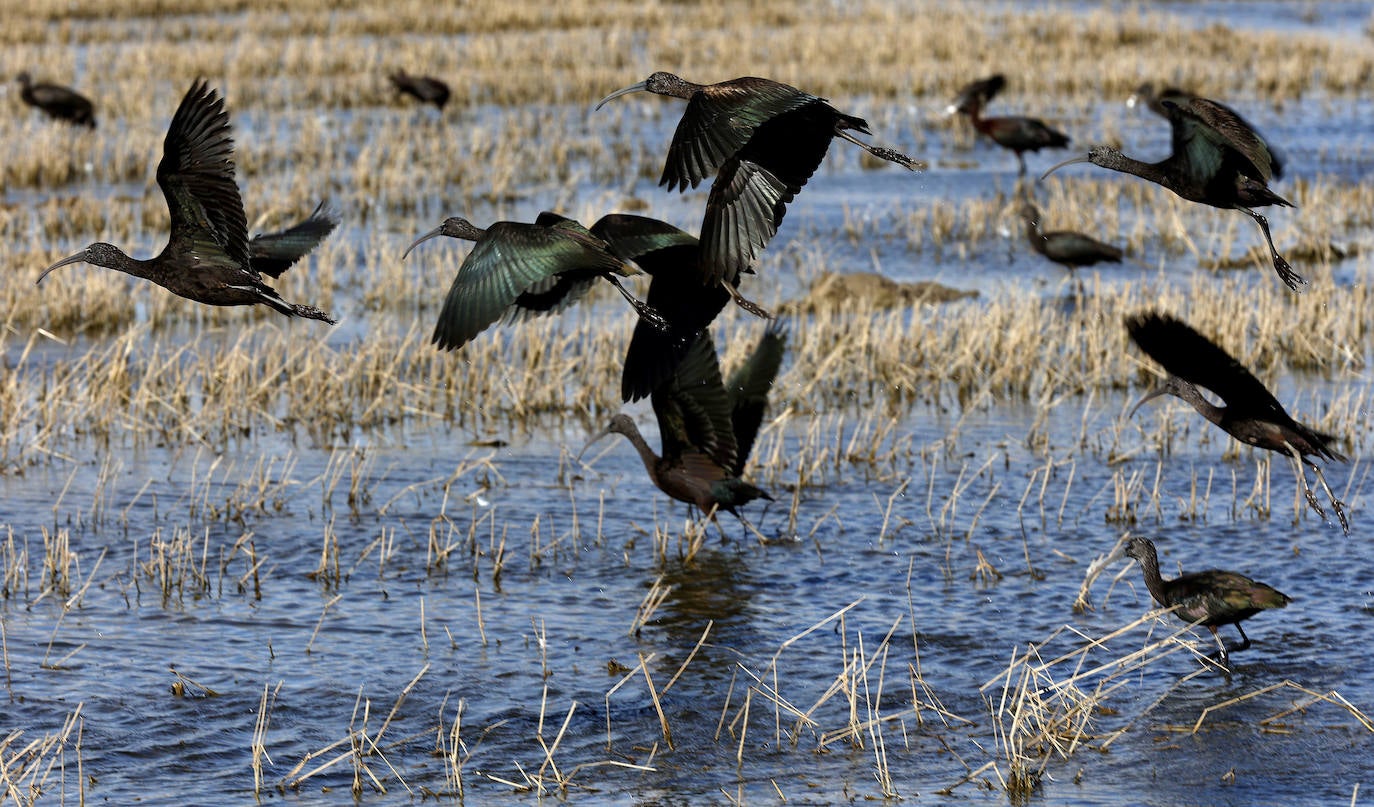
425,89
1216,160
762,140
1153,98
273,253
62,103
1251,415
1211,598
1017,134
706,427
516,271
670,257
1068,249
208,257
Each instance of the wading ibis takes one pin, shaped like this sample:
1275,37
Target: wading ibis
1211,598
425,89
62,103
1017,134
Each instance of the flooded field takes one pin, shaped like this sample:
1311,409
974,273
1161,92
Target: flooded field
246,557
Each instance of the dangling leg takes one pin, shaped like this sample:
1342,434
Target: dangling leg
1336,504
1021,159
751,307
883,153
1299,467
646,312
1289,277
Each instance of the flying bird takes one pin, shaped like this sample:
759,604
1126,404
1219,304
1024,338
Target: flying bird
208,257
1154,97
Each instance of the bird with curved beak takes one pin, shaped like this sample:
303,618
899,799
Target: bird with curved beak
1251,415
762,141
1217,160
208,257
518,270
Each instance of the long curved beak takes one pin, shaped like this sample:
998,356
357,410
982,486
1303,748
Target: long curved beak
632,88
80,257
1154,393
1084,159
596,438
435,233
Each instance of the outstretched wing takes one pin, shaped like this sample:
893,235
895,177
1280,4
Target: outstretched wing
1185,353
693,409
1214,136
197,177
274,253
748,390
719,120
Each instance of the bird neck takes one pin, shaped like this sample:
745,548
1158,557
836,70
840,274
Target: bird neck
646,454
1158,173
1034,234
1190,393
1149,565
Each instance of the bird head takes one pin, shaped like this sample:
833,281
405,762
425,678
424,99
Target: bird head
1139,548
453,227
1171,385
24,78
97,254
660,83
1097,155
620,423
1141,96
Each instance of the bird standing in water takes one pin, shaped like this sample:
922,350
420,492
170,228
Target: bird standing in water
58,102
1014,133
1211,598
425,89
208,256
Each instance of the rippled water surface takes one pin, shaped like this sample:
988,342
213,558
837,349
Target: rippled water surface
410,592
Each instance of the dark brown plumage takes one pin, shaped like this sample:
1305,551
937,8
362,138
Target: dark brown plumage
670,256
1066,248
425,89
1211,598
761,140
58,102
1216,160
1017,134
208,257
1251,415
516,271
707,427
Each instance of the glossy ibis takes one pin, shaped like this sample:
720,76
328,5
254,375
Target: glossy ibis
62,103
707,427
208,257
1068,249
1211,598
1216,160
517,270
1017,134
425,89
273,253
670,257
1153,98
762,140
1251,415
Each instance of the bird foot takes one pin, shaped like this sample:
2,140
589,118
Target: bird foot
310,312
894,156
651,316
1339,507
1290,278
747,305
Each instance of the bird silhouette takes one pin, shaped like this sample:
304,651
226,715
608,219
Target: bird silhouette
425,89
1014,133
58,102
208,257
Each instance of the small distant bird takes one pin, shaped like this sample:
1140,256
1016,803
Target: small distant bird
1066,248
761,140
1217,160
706,427
1251,415
517,270
1017,134
670,257
1212,598
208,257
62,103
1154,97
426,89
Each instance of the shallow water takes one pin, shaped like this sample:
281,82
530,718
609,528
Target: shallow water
525,626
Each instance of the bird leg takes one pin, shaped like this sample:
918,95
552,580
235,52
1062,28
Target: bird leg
1222,656
1300,468
1290,278
645,311
1021,159
1244,640
1336,504
747,305
883,153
